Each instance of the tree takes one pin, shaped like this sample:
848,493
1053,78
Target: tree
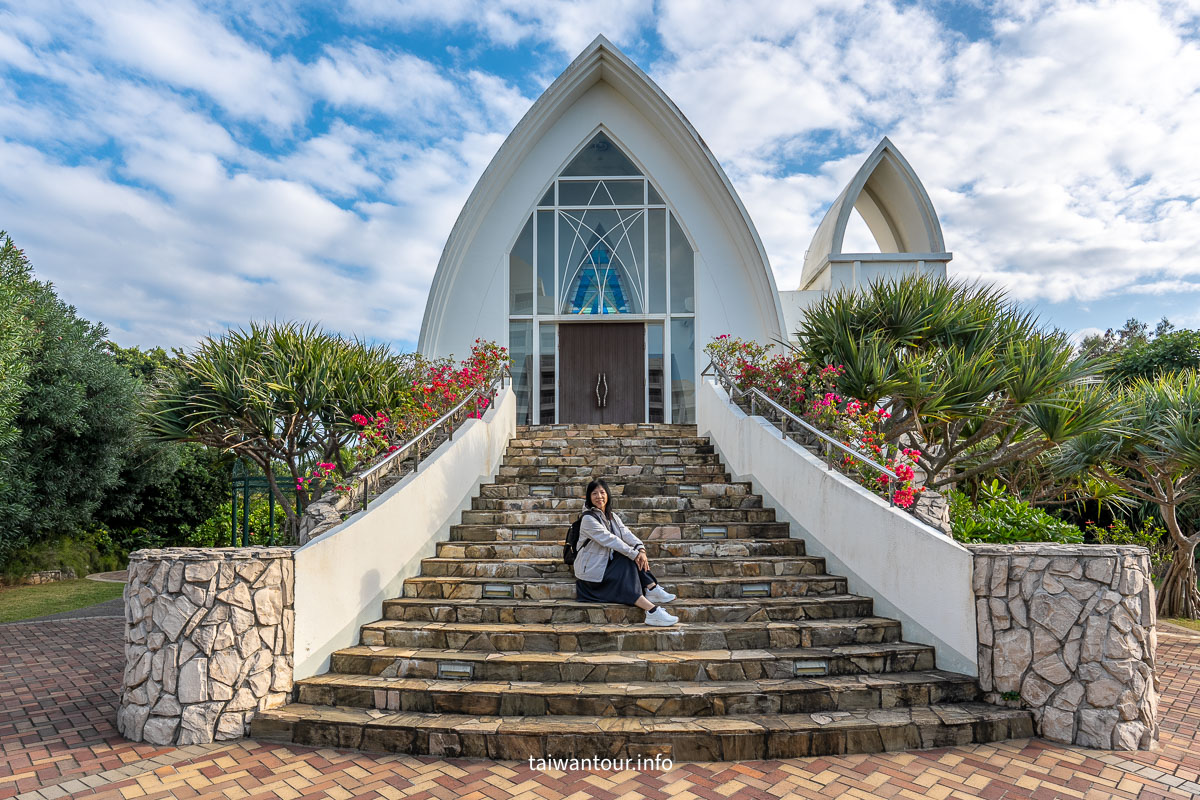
968,379
1112,341
277,393
74,420
15,336
1170,351
1155,456
165,488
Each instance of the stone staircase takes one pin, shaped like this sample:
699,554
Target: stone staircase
488,655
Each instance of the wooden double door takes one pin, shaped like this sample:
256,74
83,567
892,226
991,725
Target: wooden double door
602,372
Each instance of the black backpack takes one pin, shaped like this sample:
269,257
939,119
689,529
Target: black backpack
571,545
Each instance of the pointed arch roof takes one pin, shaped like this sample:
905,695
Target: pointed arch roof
892,201
600,61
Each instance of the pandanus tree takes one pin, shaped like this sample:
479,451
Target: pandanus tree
278,394
1154,455
968,379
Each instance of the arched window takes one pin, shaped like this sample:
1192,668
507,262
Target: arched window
602,243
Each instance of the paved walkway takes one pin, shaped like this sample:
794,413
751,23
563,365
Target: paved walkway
58,682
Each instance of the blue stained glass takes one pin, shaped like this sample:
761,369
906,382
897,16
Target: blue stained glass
599,290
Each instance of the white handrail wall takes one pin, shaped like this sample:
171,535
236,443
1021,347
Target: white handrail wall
344,575
914,573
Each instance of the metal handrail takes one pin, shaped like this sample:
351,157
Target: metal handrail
490,391
754,393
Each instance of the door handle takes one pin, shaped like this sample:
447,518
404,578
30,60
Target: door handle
604,402
598,403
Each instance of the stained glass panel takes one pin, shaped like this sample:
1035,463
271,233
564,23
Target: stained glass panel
601,157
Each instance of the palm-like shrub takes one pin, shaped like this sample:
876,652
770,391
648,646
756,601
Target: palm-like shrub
970,380
1155,456
279,393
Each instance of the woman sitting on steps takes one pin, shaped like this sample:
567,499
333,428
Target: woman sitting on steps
611,565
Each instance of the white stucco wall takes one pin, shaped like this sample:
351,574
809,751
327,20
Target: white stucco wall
914,573
794,304
343,576
734,293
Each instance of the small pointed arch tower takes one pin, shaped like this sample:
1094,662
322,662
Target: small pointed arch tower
896,208
605,246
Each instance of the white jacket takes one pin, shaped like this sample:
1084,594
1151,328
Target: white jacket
597,544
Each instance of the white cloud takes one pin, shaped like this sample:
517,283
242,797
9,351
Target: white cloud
1060,155
177,168
185,48
568,24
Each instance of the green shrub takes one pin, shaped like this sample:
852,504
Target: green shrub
84,553
1151,536
1001,518
214,531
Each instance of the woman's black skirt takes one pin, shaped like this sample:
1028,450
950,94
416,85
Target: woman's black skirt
622,583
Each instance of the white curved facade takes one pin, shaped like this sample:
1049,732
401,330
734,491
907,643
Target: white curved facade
606,287
602,92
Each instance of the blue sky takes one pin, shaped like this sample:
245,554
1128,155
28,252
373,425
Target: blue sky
177,168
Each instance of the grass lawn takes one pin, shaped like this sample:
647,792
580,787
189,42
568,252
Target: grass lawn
27,602
1194,624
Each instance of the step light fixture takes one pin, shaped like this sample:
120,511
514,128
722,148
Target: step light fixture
809,667
455,671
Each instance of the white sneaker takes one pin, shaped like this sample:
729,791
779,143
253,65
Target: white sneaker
658,595
659,618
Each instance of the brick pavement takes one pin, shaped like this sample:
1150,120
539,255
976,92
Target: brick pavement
58,684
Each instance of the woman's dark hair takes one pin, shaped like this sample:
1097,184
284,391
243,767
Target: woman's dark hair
587,496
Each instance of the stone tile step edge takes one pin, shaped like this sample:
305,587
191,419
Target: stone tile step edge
681,738
575,628
638,689
730,602
638,656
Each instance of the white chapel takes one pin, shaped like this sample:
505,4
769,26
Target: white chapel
605,245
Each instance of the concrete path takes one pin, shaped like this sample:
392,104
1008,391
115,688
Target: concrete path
120,576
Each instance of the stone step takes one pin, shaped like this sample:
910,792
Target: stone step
617,667
664,568
638,488
710,473
662,699
689,611
655,548
556,530
634,446
621,637
727,738
450,588
630,517
623,506
653,430
602,463
488,654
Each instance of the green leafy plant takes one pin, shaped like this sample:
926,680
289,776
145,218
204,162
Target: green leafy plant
1001,518
67,412
968,379
1154,455
812,395
1150,535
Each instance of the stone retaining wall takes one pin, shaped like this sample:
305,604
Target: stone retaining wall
208,641
1070,629
48,576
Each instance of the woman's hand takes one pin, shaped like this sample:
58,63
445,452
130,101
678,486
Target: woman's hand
642,561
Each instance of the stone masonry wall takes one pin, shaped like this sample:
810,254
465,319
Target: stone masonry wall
1070,628
208,641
